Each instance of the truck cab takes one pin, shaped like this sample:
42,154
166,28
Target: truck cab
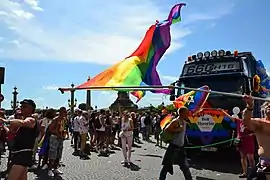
224,71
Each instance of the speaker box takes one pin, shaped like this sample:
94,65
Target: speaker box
2,75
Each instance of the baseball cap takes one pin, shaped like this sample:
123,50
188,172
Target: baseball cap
78,110
29,102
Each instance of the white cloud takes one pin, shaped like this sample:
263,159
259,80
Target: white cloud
50,87
22,14
83,32
34,4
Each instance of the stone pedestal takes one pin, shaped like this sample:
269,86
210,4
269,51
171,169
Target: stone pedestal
123,101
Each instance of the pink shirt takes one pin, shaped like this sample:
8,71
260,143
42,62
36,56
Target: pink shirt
241,128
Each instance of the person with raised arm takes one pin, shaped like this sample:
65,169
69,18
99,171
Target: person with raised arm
245,143
261,128
24,140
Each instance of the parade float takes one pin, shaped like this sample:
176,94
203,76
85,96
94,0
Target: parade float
228,72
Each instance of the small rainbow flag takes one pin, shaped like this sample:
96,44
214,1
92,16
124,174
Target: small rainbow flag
138,94
165,121
193,100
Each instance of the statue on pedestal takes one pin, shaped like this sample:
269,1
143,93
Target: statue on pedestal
123,102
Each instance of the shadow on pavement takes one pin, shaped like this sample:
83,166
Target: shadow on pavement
134,167
203,178
216,162
150,155
42,175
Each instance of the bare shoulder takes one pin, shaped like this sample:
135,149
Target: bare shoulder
174,121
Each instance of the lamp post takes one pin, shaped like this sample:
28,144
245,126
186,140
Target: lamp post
15,102
72,102
88,97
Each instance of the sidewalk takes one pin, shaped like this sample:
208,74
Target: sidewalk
147,164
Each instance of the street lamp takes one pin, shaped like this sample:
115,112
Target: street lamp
70,104
13,105
88,97
15,102
72,101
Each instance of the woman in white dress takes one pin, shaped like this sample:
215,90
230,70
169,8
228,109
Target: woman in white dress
126,136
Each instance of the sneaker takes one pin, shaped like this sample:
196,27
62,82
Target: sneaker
50,173
44,167
242,175
124,162
56,171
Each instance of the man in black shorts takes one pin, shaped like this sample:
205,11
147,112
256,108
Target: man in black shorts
24,141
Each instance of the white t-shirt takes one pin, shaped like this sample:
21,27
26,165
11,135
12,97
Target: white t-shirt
76,124
84,126
101,118
142,121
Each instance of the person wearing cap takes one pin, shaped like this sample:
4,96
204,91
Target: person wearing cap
10,133
24,140
175,153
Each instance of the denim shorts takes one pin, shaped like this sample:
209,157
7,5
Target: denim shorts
55,147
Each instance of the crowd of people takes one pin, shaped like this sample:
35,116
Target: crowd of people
37,138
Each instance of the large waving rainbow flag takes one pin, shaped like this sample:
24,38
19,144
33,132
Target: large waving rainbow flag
139,69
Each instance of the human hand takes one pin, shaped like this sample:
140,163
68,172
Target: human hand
249,100
2,120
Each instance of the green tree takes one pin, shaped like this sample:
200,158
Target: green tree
171,108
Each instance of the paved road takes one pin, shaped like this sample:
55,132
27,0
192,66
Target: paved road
147,160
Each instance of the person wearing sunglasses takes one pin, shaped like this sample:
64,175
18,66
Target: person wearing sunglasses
24,140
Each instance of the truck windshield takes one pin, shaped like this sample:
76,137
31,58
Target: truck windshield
230,84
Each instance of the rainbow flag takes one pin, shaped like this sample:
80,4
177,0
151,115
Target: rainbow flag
193,100
138,94
165,121
139,69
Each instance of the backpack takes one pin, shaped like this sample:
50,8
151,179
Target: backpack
166,137
97,123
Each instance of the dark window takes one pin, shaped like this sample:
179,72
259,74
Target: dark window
229,84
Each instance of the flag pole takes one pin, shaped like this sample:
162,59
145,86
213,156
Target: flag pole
154,87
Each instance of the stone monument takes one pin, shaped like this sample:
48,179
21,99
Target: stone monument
123,102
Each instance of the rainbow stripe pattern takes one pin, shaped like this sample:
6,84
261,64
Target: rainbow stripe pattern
193,100
139,69
165,121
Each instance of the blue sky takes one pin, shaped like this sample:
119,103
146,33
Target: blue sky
48,44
